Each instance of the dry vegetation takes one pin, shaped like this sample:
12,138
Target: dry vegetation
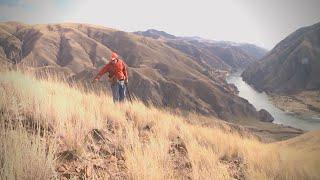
50,129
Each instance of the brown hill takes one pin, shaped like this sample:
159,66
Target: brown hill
293,65
232,55
159,74
253,50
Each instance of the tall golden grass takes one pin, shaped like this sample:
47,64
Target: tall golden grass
72,112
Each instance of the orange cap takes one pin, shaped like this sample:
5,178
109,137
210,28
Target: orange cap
114,56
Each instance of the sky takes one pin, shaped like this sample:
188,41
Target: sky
261,22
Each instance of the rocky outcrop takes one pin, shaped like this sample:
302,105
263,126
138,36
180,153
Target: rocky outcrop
105,158
265,116
180,159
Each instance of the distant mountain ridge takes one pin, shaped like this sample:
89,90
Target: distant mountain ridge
153,33
293,65
222,55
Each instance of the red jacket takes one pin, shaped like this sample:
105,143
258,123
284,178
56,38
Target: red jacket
116,71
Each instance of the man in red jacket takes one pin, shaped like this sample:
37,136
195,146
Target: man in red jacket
118,77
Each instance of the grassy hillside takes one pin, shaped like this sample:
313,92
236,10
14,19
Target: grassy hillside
158,73
50,129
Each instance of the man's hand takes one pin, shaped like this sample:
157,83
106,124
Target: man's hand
126,81
95,80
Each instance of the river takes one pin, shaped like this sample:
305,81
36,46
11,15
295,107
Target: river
261,101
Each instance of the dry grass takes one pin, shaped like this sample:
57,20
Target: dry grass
58,110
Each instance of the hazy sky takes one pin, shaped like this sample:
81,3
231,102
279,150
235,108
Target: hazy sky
262,22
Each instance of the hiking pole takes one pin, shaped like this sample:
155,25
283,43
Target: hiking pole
129,94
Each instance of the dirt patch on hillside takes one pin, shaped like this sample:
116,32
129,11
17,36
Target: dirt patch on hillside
103,158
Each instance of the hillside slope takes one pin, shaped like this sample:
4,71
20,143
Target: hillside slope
52,130
292,66
159,74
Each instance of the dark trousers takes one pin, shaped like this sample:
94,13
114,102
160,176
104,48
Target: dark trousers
118,91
